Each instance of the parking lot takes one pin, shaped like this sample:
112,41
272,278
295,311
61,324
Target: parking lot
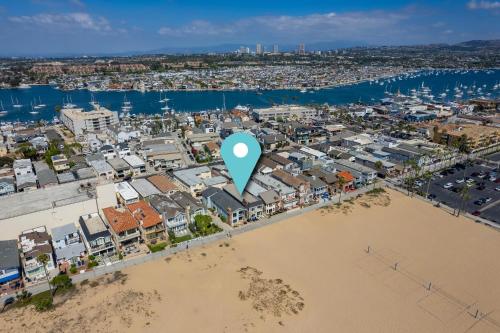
484,189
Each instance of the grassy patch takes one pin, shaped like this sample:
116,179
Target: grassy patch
180,239
41,301
157,247
204,226
376,191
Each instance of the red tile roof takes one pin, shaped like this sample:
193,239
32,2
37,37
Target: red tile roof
120,219
145,213
346,175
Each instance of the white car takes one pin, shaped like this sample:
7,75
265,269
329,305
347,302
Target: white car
460,181
448,185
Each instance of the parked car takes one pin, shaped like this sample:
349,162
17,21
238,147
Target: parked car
460,181
448,185
419,183
431,196
497,188
479,202
488,199
476,213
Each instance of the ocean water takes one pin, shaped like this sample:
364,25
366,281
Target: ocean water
192,101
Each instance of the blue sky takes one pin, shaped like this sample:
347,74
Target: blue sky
93,26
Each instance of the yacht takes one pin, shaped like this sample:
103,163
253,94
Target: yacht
15,105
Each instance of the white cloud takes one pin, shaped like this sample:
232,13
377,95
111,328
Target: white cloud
79,19
483,4
322,26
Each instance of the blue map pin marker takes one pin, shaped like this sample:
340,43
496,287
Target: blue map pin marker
240,152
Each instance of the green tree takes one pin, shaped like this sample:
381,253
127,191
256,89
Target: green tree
464,196
61,282
44,259
427,176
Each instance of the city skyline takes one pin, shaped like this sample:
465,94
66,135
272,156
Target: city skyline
44,27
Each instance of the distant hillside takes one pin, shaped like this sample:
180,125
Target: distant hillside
480,44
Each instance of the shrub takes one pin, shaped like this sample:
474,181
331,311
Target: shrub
157,247
43,304
73,269
62,282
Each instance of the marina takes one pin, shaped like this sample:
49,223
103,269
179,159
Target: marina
40,102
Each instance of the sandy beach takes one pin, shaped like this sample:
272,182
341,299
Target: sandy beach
380,264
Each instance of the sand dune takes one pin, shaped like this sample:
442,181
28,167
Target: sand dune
426,271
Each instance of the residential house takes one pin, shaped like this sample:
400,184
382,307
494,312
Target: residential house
102,169
26,180
150,221
174,216
253,205
348,180
229,209
302,160
144,188
302,186
327,176
68,246
272,202
33,243
163,184
319,189
191,180
286,164
125,193
45,176
162,155
59,163
108,151
96,236
10,266
288,195
122,169
271,142
123,226
137,165
7,186
189,203
123,150
213,148
362,174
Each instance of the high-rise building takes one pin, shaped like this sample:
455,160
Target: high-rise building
302,48
275,48
258,48
244,50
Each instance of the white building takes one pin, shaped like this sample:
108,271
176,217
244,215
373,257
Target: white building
137,165
79,121
286,112
126,193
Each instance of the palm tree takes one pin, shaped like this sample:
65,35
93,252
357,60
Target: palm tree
44,259
464,195
341,182
427,176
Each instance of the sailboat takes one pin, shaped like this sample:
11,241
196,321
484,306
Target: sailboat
15,105
165,108
33,110
69,104
93,102
40,104
2,110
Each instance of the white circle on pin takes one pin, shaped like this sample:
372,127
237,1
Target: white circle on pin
240,150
